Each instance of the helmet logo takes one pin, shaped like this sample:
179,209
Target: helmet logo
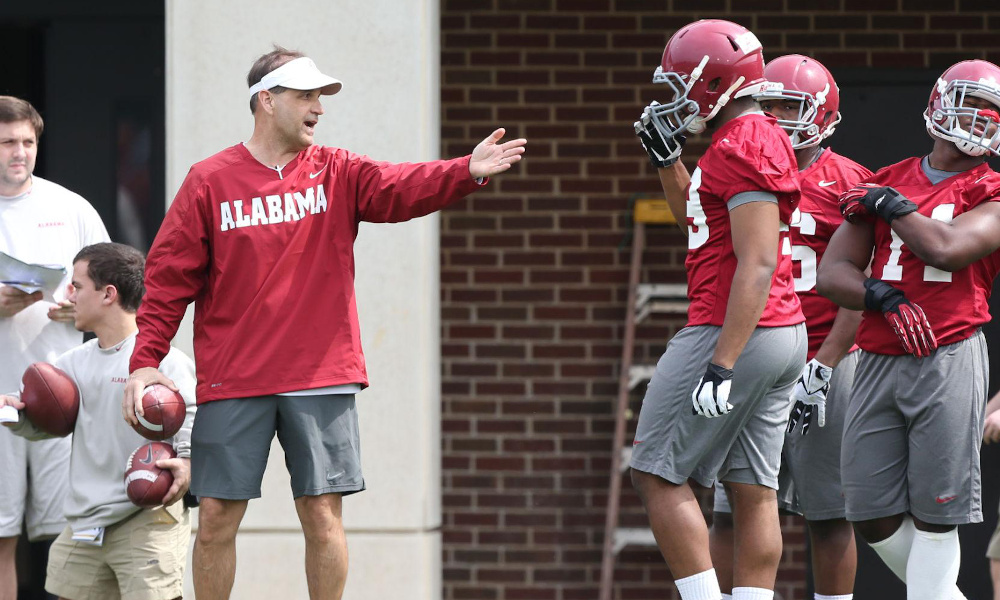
942,85
821,96
747,42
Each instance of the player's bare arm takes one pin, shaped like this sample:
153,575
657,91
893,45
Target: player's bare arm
841,275
664,153
955,245
840,338
755,244
181,470
13,301
139,380
492,158
674,180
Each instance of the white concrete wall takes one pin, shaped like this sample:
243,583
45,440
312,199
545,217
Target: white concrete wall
387,54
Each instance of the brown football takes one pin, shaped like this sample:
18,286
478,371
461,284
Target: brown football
51,399
163,413
145,483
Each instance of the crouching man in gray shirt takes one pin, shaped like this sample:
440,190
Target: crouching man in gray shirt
112,548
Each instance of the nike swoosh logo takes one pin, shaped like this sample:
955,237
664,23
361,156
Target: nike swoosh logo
945,499
826,183
316,174
333,477
879,202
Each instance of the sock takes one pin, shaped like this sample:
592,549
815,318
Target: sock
895,549
895,553
932,569
844,597
700,586
751,593
726,596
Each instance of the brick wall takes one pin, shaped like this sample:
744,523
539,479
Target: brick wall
534,269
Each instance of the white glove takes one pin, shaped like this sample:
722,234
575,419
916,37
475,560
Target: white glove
810,391
710,397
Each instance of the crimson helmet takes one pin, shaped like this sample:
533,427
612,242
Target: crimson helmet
805,80
706,64
967,79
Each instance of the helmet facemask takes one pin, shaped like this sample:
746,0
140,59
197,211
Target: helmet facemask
803,130
944,121
682,114
676,116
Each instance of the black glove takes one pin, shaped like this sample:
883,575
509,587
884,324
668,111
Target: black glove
663,151
869,198
906,318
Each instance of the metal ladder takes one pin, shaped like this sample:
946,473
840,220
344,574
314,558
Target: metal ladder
643,300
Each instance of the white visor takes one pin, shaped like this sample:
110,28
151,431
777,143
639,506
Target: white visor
298,74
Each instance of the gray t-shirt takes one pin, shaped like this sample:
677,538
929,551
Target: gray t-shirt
935,175
102,440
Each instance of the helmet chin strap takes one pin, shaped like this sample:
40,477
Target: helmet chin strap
698,125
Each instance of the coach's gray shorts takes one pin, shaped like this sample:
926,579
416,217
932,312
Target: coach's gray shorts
787,500
231,440
743,446
912,435
814,459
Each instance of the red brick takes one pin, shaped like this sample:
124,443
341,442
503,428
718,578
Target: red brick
914,41
552,22
890,22
898,59
872,40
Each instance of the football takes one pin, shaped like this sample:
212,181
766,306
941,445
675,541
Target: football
145,483
51,399
163,413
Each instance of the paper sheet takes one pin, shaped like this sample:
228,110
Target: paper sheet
30,278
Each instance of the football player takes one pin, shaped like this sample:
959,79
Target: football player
804,97
930,226
717,406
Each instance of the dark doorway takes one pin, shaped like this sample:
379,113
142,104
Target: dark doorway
883,124
95,71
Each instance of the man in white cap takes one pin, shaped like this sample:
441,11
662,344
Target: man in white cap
261,238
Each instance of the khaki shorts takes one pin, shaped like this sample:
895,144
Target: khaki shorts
142,558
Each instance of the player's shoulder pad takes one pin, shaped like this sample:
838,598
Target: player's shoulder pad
758,152
852,170
984,186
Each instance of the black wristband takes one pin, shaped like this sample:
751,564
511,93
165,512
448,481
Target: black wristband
716,373
882,297
892,205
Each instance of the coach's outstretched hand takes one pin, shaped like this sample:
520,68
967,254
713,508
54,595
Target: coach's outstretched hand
906,318
138,381
492,158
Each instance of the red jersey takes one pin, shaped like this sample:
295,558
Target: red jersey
268,259
956,303
749,153
817,217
